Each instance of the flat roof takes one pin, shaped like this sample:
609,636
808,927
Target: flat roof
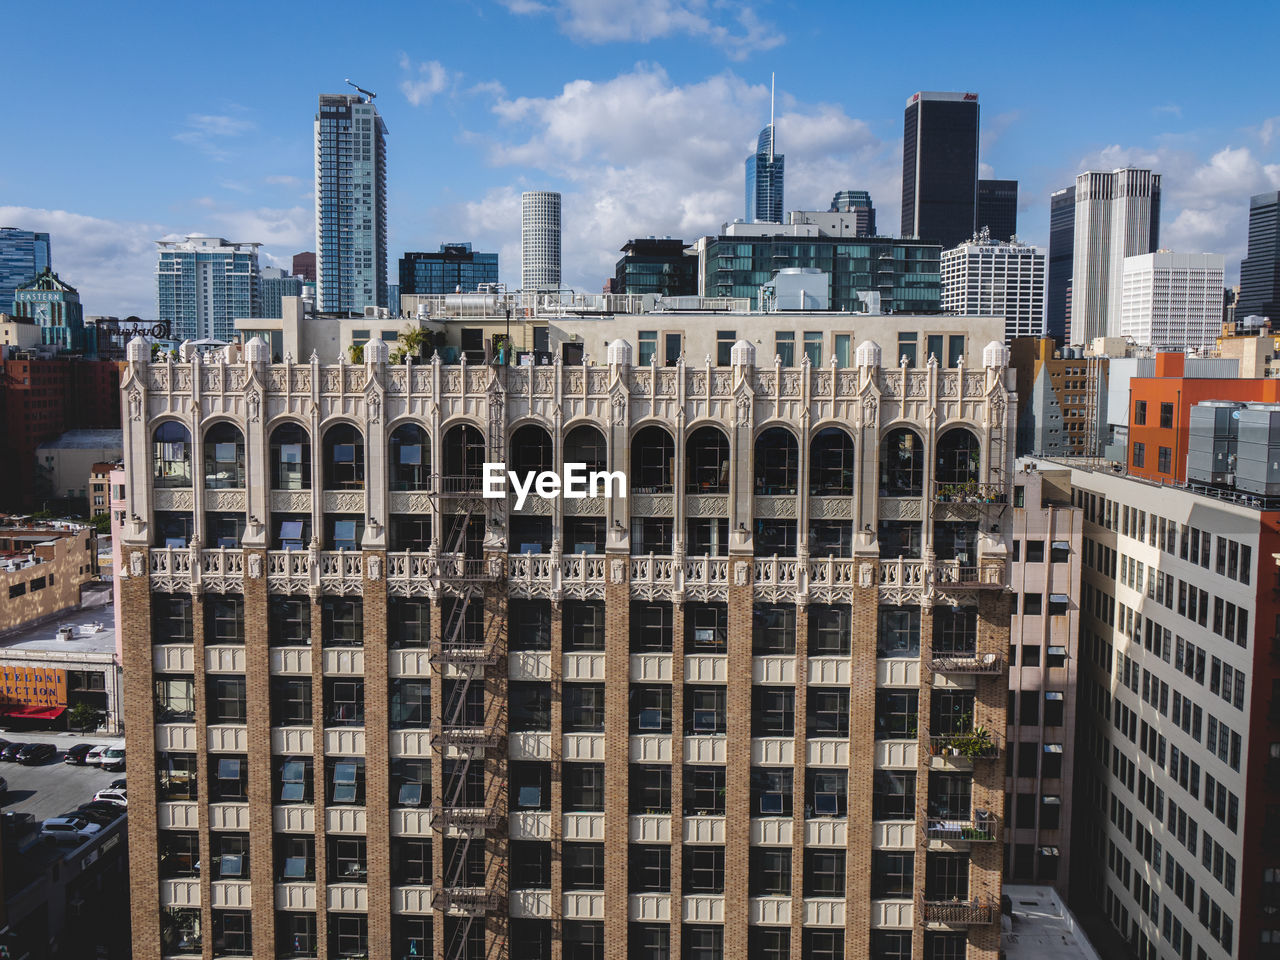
1042,928
43,637
85,439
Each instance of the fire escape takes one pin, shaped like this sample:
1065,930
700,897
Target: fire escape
468,732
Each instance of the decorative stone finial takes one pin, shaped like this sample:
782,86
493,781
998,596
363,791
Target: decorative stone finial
257,351
868,354
743,354
619,353
137,350
995,354
376,351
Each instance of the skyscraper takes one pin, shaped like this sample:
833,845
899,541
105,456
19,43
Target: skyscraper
1062,228
24,255
991,278
455,267
1260,270
857,202
304,265
940,167
764,180
658,266
54,307
998,208
351,203
204,283
1117,215
540,240
276,283
1172,300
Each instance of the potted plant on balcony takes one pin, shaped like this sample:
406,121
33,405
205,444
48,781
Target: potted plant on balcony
975,743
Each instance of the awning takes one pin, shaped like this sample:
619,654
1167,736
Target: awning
31,712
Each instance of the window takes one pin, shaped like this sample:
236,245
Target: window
171,456
725,339
342,621
896,714
230,779
824,872
1033,604
647,342
703,942
224,618
1166,416
349,934
828,709
529,706
892,874
179,853
899,632
295,934
651,789
583,786
1164,460
411,937
344,702
232,933
1035,551
583,625
231,856
288,621
650,941
1139,454
1140,412
704,709
583,866
650,627
227,699
773,711
290,458
773,629
894,795
410,861
784,347
177,775
830,630
650,708
823,944
826,794
346,781
583,708
530,865
175,699
771,791
294,779
650,868
813,347
704,791
770,871
411,782
703,869
583,939
529,623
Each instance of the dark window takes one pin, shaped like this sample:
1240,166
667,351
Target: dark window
773,711
1166,416
703,942
826,793
830,630
706,627
823,944
411,782
891,944
232,933
224,618
410,702
227,699
893,874
771,791
344,702
824,873
704,710
770,871
530,865
583,625
583,786
704,791
529,706
703,869
171,620
295,934
231,856
828,712
288,621
409,622
650,708
894,795
583,940
650,941
773,629
651,626
897,713
342,621
348,935
583,708
179,853
177,776
899,632
530,625
650,789
410,861
768,943
228,778
583,866
650,868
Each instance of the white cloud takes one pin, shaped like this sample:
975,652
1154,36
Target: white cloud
282,179
638,154
208,132
639,21
423,81
1269,131
1204,203
112,263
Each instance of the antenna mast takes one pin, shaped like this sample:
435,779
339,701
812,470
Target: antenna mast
772,132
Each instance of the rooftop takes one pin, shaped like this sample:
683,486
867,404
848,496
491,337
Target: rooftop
1042,927
93,631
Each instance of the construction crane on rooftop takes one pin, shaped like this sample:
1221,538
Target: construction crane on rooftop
368,93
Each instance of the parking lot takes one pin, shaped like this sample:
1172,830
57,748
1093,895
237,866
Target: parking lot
53,788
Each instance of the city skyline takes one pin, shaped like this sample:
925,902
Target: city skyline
235,159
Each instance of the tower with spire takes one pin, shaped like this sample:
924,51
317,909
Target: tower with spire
765,174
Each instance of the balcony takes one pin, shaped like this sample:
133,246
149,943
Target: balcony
980,828
970,745
960,913
470,901
465,818
970,493
951,573
956,661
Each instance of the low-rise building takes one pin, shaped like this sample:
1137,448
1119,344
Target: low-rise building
42,570
65,464
1061,398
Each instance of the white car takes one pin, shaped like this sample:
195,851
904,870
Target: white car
94,756
117,797
112,758
69,829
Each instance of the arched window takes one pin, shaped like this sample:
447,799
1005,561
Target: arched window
290,457
777,462
223,457
707,457
959,459
531,451
343,458
831,463
902,464
464,457
587,445
652,460
171,455
410,453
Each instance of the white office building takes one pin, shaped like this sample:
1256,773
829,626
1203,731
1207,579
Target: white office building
540,240
987,278
1172,300
1117,216
204,283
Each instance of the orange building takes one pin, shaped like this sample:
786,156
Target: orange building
1160,412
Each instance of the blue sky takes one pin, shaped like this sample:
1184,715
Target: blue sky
129,125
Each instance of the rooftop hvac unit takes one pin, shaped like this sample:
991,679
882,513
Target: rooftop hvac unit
1212,441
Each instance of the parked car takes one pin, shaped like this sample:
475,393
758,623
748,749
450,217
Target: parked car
113,758
34,753
95,813
117,784
10,751
4,788
76,754
112,810
117,797
3,743
69,829
94,757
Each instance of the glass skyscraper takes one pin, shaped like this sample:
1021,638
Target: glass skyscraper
940,167
24,255
1260,270
351,204
455,267
277,284
998,208
764,180
204,283
1062,245
54,307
